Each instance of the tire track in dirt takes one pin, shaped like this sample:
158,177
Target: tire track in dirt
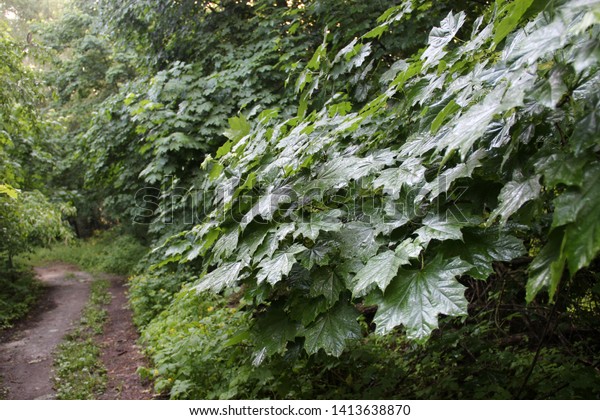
120,354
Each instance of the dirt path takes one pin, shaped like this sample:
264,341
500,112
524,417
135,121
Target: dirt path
26,350
120,354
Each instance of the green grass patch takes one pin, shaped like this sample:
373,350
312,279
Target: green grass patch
107,252
19,290
79,372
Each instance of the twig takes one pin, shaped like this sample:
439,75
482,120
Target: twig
538,350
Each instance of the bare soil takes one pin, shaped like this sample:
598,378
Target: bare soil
120,354
26,350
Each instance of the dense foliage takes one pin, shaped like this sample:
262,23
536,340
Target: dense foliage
27,217
380,204
30,214
408,184
387,203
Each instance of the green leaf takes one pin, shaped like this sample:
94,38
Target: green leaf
513,195
253,237
315,255
551,90
215,171
268,204
382,268
319,54
547,267
338,172
273,330
224,149
332,330
440,37
575,203
358,240
270,244
325,221
468,128
273,269
239,127
444,181
227,275
9,191
583,234
511,13
396,13
202,245
358,55
309,309
325,282
585,134
178,248
226,245
379,270
416,298
529,46
175,141
439,227
560,168
410,172
448,110
376,32
482,247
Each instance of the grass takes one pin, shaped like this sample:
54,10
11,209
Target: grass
107,252
79,372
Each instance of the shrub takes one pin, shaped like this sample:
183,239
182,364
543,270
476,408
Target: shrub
19,289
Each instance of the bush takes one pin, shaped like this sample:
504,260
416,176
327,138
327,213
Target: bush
29,219
19,289
202,347
192,345
151,293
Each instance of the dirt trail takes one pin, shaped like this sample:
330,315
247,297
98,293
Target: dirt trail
120,354
26,351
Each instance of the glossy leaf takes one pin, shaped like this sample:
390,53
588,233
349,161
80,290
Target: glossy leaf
481,248
547,267
416,298
319,222
439,227
439,37
273,269
332,330
513,195
223,277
